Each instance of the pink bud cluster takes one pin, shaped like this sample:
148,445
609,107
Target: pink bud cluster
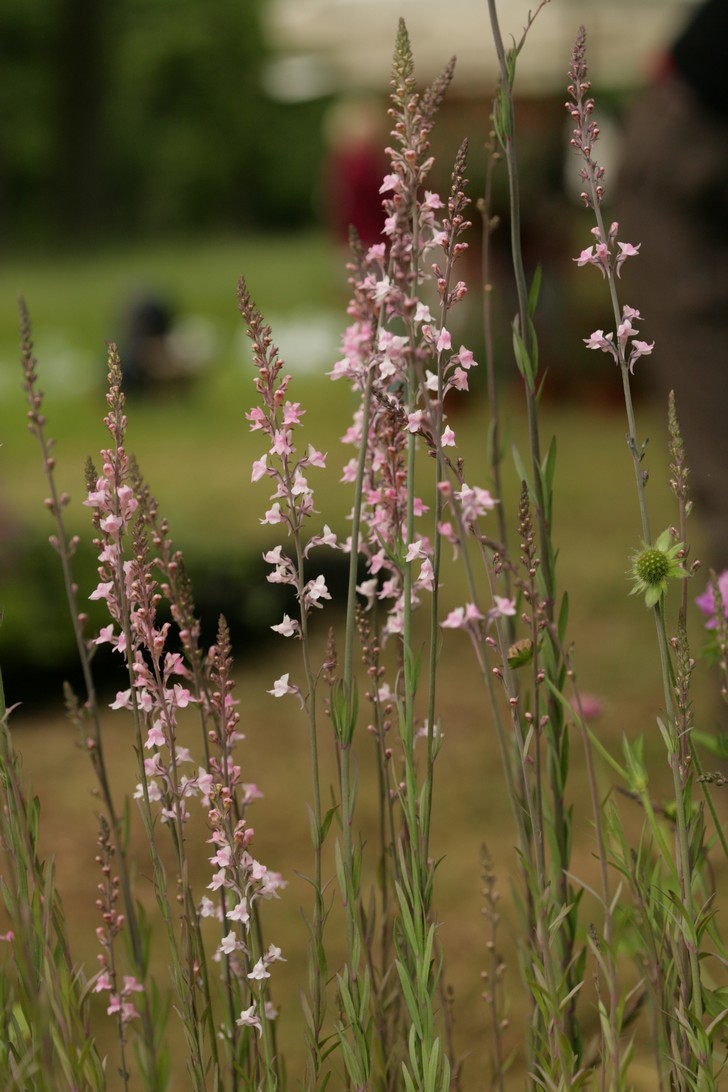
586,130
121,1003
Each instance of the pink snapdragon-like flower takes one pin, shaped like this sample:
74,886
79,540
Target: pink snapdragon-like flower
249,1019
316,590
287,628
463,617
260,468
502,607
626,250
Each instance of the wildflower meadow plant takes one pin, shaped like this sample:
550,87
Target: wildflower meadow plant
628,966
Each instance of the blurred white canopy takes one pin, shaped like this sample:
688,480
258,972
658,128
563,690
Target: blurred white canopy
326,46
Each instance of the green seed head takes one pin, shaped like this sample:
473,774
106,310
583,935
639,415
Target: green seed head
652,566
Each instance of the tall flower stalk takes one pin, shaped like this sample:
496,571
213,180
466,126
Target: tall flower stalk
652,568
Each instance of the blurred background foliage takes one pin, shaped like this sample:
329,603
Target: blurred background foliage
146,116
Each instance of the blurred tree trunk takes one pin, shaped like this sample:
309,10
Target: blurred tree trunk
81,79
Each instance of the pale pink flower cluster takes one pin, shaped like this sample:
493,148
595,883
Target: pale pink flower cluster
625,347
608,254
469,617
120,1002
277,418
162,686
394,330
239,881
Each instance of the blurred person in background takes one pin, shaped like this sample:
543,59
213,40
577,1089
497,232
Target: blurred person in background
355,134
673,199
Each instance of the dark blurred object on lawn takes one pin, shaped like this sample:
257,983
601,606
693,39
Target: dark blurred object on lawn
159,351
673,199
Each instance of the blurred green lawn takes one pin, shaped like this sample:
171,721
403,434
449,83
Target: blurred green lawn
196,451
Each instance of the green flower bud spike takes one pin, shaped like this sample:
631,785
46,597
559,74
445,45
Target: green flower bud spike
653,566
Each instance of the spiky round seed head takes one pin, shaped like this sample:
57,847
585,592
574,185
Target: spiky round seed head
652,566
